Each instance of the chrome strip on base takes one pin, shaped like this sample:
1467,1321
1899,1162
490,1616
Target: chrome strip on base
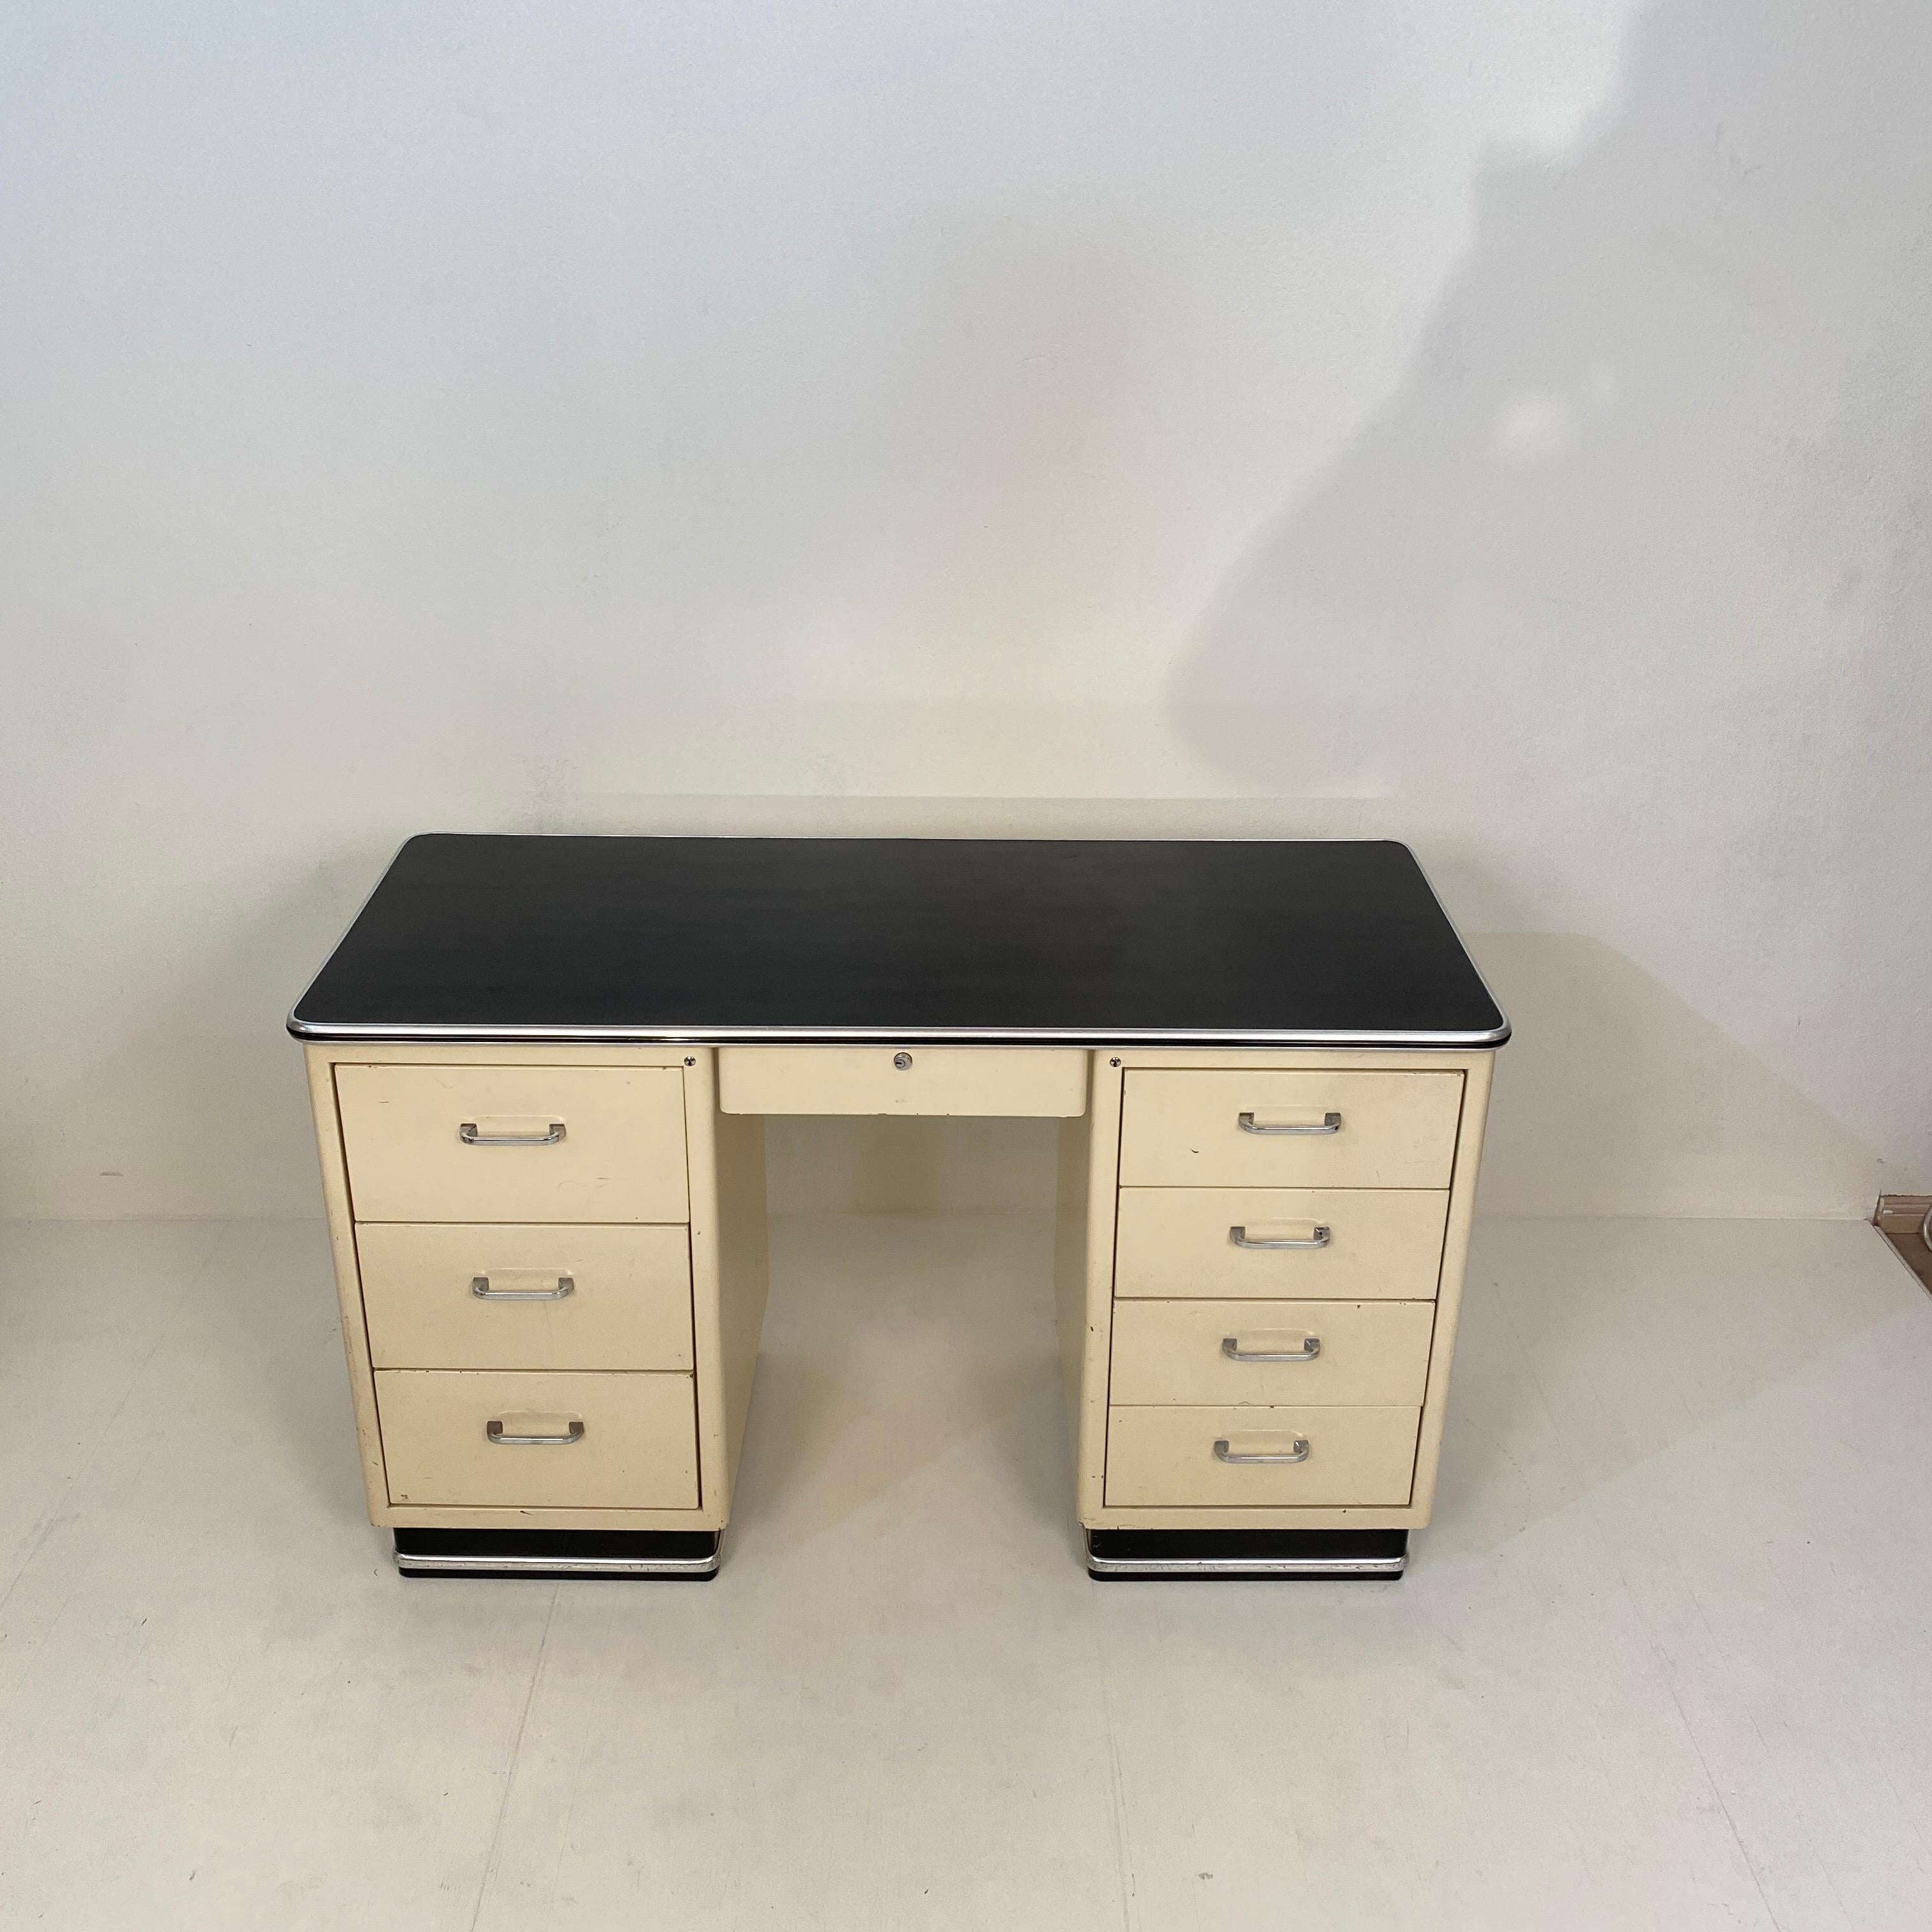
1247,1552
552,1566
1245,1566
457,1563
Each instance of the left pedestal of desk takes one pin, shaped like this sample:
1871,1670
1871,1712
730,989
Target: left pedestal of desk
552,1269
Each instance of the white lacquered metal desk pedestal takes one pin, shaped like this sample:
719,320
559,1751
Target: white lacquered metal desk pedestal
549,1240
1257,1302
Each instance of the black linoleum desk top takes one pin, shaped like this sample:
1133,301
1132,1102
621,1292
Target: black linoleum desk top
989,941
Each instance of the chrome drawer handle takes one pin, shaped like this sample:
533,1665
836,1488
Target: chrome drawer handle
1231,1347
1322,1237
479,1286
1331,1123
1299,1453
467,1133
493,1429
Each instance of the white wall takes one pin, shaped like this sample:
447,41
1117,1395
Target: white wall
1504,427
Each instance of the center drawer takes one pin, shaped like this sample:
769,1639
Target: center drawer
429,1143
600,1441
441,1295
1009,1080
1300,1244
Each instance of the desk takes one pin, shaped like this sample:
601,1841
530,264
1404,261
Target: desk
539,1067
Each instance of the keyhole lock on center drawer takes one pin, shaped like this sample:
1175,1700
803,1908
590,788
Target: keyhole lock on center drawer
903,1061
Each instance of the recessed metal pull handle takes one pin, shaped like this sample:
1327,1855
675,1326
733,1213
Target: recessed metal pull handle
1298,1453
1330,1123
467,1133
479,1286
1320,1238
1231,1347
493,1429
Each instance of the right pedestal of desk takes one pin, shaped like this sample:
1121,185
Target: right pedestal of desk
1260,1267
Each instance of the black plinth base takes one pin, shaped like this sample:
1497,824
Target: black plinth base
1116,1555
691,1554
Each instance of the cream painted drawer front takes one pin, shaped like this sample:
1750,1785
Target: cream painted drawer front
1174,1352
991,1080
448,1296
1166,1457
583,1143
1380,1245
636,1445
1284,1128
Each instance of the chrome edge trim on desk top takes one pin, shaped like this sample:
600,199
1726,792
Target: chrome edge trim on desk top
403,1033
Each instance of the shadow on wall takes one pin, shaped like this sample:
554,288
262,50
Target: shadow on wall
1615,1097
1607,454
1623,593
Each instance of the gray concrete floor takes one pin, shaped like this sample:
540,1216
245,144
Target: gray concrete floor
1665,1658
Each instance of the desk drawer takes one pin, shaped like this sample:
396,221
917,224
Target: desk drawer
1280,1128
1172,1353
444,1296
1166,1457
514,1143
1350,1243
1012,1080
627,1441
